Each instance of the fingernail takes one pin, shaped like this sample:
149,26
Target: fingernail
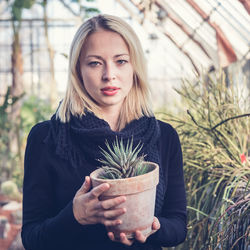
124,198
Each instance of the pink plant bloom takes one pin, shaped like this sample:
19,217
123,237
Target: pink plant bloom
243,158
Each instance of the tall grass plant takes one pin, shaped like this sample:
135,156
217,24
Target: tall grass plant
214,134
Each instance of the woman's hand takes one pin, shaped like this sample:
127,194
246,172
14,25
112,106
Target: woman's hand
138,234
88,209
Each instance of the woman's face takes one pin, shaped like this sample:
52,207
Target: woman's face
106,69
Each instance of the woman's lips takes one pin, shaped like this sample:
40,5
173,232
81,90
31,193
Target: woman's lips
110,90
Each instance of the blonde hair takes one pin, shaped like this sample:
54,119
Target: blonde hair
77,100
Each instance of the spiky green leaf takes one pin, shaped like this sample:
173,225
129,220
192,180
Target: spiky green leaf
122,161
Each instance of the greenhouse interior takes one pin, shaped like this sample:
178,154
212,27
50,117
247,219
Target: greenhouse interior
197,55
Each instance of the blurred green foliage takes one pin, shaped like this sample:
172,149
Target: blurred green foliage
18,6
214,134
34,110
6,156
9,188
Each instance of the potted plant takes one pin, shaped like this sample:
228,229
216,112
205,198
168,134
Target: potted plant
130,175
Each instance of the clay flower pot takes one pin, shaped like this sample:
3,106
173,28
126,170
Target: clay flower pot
140,194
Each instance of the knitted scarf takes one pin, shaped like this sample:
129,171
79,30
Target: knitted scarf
80,139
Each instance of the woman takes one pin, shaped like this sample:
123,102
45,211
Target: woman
107,97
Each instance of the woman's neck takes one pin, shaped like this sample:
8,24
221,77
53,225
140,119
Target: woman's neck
111,116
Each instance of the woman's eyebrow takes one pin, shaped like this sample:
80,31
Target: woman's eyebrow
115,56
99,57
124,54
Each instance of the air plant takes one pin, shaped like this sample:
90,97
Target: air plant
122,161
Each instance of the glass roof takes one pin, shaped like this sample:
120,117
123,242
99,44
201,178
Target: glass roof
181,38
187,37
207,33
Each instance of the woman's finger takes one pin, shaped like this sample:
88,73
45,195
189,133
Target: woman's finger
156,224
109,214
111,236
125,240
139,236
85,186
110,203
97,191
109,223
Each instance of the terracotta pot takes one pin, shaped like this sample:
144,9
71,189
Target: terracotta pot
140,192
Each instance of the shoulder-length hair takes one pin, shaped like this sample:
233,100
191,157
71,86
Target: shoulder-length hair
77,100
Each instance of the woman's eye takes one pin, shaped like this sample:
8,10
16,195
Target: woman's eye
94,63
122,61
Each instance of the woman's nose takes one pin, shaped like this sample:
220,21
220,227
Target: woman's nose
109,73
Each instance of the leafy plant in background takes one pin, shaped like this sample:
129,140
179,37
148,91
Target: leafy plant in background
13,131
215,142
7,157
10,152
10,189
33,110
86,11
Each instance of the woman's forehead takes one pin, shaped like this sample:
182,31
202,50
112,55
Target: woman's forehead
102,42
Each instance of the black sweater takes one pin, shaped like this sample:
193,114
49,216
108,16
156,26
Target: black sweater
50,184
